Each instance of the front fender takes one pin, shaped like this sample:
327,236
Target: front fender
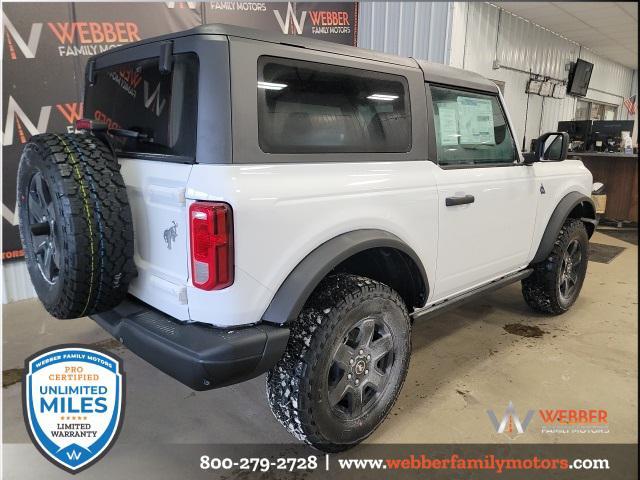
560,214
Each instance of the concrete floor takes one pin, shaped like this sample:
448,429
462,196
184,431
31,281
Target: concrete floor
463,364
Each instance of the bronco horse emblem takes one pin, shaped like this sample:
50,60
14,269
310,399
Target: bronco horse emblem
170,234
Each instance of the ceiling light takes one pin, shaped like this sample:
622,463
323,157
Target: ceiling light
382,96
271,86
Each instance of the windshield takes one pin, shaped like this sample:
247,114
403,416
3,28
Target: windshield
163,106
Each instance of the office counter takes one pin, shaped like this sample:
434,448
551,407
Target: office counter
619,173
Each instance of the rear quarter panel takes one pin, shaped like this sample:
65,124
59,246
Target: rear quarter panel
284,211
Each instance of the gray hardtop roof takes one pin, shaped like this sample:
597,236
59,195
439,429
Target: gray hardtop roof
439,73
433,72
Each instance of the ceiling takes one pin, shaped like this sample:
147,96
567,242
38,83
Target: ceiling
610,29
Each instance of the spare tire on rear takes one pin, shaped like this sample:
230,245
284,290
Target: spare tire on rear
75,224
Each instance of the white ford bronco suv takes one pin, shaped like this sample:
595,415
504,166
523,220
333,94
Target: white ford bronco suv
240,202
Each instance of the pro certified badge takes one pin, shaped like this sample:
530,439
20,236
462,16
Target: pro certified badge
73,403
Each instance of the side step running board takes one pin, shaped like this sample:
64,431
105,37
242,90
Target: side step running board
454,302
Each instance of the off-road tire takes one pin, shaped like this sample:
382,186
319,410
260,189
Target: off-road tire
541,290
295,386
90,233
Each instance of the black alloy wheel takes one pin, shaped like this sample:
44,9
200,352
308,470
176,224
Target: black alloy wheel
360,368
569,270
42,227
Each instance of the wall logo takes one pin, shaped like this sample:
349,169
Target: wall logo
14,39
323,22
290,19
73,403
18,121
510,424
91,38
75,38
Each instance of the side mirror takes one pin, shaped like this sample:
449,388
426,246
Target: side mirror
550,147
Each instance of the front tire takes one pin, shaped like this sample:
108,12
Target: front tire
345,363
555,283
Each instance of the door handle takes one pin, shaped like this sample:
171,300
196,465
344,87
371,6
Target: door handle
453,201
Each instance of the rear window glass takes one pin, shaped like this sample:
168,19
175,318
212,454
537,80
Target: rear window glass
136,96
308,107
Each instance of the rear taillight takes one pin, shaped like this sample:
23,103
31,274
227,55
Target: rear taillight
211,227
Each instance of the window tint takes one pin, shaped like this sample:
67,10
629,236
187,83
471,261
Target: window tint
470,128
307,107
136,96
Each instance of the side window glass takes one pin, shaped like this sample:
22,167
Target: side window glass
471,128
308,107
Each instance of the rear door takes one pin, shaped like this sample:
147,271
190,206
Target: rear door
162,107
487,199
156,194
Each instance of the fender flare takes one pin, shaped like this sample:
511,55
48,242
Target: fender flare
559,216
290,298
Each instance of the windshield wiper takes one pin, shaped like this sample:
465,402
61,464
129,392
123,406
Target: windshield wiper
98,127
123,132
102,131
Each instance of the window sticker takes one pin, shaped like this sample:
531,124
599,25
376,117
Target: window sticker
448,123
476,121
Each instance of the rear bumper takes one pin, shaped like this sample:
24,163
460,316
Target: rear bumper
200,356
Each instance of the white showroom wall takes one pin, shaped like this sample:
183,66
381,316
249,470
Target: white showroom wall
410,29
483,36
475,36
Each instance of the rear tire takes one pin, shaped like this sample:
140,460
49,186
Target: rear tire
555,283
345,363
75,224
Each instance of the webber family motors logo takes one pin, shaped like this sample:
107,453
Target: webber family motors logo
73,404
553,421
323,21
292,21
74,38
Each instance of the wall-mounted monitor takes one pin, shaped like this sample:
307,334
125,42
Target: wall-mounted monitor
579,78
